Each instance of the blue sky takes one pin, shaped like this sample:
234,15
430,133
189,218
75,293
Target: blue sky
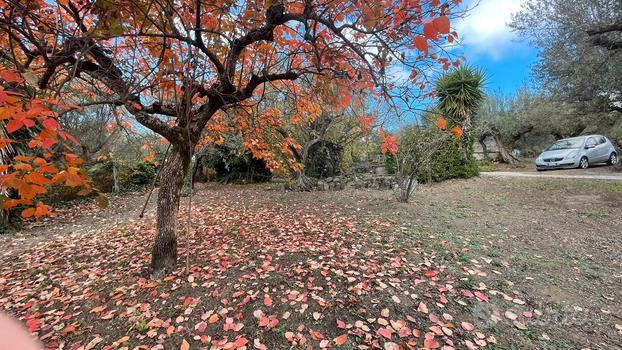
489,43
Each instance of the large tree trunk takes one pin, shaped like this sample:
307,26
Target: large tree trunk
164,253
305,182
507,157
482,143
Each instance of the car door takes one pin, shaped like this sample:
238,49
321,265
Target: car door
603,149
591,150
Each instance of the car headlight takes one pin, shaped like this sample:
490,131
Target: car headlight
572,155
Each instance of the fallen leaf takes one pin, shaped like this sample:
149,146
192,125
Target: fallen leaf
342,339
385,332
467,326
510,315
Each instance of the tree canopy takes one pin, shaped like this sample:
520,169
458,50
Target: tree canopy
181,67
580,46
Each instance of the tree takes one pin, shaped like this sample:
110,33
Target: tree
323,140
530,120
460,94
416,148
174,67
580,45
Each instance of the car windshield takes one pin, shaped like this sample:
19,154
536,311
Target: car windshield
566,144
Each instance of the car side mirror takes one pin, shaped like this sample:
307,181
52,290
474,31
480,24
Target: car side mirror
589,146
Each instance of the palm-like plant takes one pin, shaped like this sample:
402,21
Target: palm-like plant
460,93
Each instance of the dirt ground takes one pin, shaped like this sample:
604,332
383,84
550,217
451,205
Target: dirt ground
557,241
532,263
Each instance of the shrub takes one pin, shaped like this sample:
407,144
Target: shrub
453,161
129,177
433,154
231,166
101,175
143,174
324,160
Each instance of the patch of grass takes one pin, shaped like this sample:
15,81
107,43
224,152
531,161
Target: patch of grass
36,271
465,283
141,326
593,215
486,168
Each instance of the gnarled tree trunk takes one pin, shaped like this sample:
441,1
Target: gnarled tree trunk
164,254
507,157
482,142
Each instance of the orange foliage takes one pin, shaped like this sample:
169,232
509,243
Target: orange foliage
389,143
457,131
155,70
29,174
441,123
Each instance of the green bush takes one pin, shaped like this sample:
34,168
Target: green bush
324,160
101,175
129,177
390,164
450,159
143,174
454,161
232,166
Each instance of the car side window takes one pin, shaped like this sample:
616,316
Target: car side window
590,142
601,140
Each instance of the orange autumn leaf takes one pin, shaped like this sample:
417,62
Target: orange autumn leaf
11,76
27,213
442,24
240,342
342,339
42,210
213,319
122,340
441,123
421,43
457,131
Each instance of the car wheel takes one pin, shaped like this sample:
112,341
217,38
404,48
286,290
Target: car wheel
613,159
584,163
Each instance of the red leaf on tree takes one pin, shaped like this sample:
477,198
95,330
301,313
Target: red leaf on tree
13,125
421,43
442,24
10,76
51,124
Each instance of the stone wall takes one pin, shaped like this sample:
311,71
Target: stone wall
358,181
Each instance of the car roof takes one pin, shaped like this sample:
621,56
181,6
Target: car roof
581,137
573,138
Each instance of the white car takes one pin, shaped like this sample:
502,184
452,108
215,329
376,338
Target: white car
578,152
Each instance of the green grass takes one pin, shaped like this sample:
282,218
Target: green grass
486,168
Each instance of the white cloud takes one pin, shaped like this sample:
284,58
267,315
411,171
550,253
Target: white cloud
486,29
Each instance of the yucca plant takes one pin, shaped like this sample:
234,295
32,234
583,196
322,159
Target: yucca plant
460,93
